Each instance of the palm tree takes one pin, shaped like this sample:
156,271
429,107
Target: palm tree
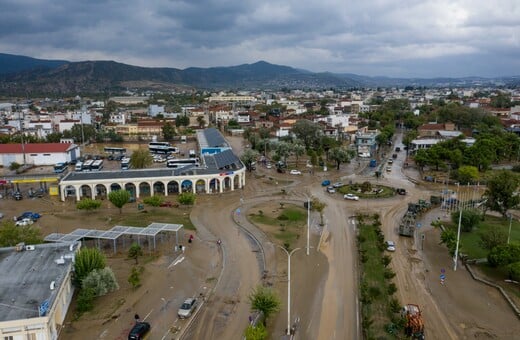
265,301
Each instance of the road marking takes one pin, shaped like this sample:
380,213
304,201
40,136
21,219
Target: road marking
147,315
176,262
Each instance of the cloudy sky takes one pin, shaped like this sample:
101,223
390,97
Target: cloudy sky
408,38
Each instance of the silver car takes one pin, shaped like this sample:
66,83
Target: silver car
187,308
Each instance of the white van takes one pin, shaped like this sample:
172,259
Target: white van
183,139
79,166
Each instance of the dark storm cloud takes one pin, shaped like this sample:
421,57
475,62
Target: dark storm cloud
373,37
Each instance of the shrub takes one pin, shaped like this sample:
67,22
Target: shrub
88,204
374,292
135,277
389,273
14,166
100,281
87,260
504,254
386,260
392,288
395,306
186,198
85,301
154,201
514,271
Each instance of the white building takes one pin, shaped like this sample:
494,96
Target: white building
36,290
38,153
154,110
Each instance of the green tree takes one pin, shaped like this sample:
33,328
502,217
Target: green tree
282,150
449,239
248,157
182,120
504,254
135,277
201,121
119,198
140,159
14,166
101,281
308,132
85,300
467,174
85,261
500,192
257,332
298,150
168,131
54,137
11,235
340,155
264,300
80,133
470,219
186,198
88,204
318,206
134,252
492,238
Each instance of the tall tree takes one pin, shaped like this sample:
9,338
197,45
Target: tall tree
340,155
168,131
140,159
282,150
135,251
119,198
248,157
85,261
298,150
264,300
201,121
308,132
501,192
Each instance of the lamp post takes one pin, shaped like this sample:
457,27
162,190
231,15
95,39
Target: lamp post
308,221
289,254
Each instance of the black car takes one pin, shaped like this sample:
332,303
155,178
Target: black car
139,331
17,196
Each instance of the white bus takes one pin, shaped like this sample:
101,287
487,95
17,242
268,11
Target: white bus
87,165
125,163
178,163
159,147
97,165
79,166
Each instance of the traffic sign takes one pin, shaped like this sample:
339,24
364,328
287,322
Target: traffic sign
442,276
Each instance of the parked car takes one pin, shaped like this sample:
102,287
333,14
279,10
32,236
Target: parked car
390,246
331,190
29,214
390,161
394,156
337,185
295,172
17,196
325,183
351,197
388,169
269,166
1,215
139,331
187,308
401,191
397,149
24,222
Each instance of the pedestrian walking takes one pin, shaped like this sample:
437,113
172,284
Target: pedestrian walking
137,318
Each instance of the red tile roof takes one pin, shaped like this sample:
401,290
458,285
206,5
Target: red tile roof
34,148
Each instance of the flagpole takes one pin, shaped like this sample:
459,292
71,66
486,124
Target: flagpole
458,234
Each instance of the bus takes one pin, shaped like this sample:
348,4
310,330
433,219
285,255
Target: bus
60,167
97,165
79,166
178,163
159,147
87,165
112,151
125,163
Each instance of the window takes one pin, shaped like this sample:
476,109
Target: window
33,154
46,154
31,336
8,338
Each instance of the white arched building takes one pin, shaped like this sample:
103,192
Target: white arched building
218,173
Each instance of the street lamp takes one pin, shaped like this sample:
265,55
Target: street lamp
289,286
308,221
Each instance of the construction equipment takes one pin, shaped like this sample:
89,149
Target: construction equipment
414,326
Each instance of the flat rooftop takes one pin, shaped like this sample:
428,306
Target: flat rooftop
214,164
26,277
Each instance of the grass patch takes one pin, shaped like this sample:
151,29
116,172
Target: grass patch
287,222
374,191
470,241
379,307
145,217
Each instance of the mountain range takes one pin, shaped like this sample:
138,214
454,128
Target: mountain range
21,75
